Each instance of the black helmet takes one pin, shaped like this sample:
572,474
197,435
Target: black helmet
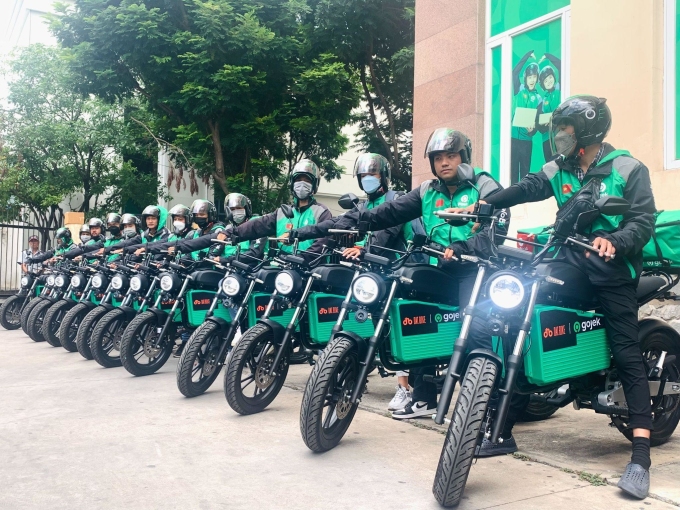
130,219
530,70
151,210
95,222
85,229
182,210
113,218
371,163
204,206
237,200
448,140
309,168
545,72
63,234
589,115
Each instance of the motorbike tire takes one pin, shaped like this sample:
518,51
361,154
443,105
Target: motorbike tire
537,411
27,313
199,357
10,319
68,330
335,374
107,337
135,345
86,330
52,322
36,320
464,432
664,423
255,342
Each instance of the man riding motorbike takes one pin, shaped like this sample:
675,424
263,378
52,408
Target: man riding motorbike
448,150
584,161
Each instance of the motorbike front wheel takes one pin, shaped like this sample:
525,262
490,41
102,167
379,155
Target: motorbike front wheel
326,412
10,318
86,330
52,322
26,313
68,330
139,354
248,387
105,343
36,320
464,432
198,366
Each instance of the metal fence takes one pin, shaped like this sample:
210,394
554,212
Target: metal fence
13,240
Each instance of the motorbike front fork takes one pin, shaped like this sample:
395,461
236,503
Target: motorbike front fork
179,297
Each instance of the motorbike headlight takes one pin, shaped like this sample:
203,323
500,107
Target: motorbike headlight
25,280
166,282
97,281
506,291
77,281
136,283
231,286
367,289
60,281
117,282
50,280
284,283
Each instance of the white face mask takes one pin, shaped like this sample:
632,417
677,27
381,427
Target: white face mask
85,238
239,216
302,189
179,226
129,232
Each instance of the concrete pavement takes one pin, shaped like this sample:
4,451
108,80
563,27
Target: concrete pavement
74,435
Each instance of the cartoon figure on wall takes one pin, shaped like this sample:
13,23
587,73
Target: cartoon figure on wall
525,105
548,79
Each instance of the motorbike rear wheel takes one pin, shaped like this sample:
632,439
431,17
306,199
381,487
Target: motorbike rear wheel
198,366
137,352
10,318
86,330
68,330
249,362
538,411
26,313
36,320
464,432
52,322
664,422
326,413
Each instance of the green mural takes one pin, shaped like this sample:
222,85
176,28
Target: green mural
677,79
536,91
495,169
508,14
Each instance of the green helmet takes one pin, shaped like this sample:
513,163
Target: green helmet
371,163
309,168
448,140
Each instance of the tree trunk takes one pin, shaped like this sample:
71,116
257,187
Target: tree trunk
218,174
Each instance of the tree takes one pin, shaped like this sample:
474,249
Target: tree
376,40
61,145
235,84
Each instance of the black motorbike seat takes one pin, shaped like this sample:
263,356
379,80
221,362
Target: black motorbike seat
208,278
649,285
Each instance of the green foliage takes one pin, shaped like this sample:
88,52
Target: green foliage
238,91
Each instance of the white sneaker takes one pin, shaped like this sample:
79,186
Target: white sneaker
400,399
414,410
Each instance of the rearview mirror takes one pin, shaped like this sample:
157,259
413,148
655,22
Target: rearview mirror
585,219
287,211
348,201
612,206
466,173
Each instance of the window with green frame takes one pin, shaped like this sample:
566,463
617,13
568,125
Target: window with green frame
672,84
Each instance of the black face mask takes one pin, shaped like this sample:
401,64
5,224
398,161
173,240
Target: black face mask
114,230
201,222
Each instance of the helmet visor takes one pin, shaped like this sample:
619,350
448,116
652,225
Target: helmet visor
200,207
235,200
371,164
444,140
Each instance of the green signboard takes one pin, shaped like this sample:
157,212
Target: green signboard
508,14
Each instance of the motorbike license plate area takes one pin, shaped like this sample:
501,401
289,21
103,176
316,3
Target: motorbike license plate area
323,314
565,343
257,304
422,330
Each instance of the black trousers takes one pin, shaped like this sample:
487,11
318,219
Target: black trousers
427,391
520,159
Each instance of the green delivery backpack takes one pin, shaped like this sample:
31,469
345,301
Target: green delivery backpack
663,249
